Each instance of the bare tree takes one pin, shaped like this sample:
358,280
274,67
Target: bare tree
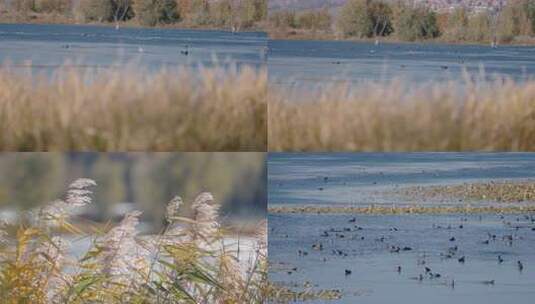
121,8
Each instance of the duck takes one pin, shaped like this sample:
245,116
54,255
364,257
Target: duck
347,272
520,266
185,52
318,246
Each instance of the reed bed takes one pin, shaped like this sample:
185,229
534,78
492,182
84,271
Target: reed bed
394,116
213,109
393,210
507,192
280,294
187,262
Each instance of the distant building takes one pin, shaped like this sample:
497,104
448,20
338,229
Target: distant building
436,5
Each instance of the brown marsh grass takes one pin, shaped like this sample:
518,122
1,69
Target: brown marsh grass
413,209
499,191
133,110
393,117
187,262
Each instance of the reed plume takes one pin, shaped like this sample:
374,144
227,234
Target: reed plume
188,262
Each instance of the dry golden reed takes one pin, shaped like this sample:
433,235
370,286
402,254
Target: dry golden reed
189,261
499,116
413,209
213,109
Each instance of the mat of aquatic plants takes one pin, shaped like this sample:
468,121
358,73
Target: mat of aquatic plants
450,258
400,179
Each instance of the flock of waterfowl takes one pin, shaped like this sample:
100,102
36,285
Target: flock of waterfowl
185,51
326,244
460,59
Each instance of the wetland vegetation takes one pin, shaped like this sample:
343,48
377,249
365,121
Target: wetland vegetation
226,14
498,116
189,261
402,21
131,110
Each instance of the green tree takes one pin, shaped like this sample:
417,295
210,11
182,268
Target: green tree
315,20
222,13
457,29
355,20
152,12
199,12
53,6
480,27
96,10
252,11
283,19
412,24
23,6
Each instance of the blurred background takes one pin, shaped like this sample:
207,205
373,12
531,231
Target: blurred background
142,181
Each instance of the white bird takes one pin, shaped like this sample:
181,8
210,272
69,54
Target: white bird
140,50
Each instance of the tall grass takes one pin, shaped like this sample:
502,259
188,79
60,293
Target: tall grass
393,117
188,262
133,110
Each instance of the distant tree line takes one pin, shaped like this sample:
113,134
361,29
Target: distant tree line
238,14
408,22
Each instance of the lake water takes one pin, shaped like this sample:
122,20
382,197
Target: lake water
311,63
374,275
362,243
45,47
373,178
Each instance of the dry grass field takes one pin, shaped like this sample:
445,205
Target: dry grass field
499,116
132,110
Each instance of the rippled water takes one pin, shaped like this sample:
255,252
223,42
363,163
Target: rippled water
46,47
363,244
304,63
374,268
372,178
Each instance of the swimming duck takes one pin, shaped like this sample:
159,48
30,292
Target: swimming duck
185,52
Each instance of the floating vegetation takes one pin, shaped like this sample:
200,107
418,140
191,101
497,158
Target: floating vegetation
280,294
413,209
188,262
507,192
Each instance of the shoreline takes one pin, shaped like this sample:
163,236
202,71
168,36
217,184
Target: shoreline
402,210
271,35
306,35
130,25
